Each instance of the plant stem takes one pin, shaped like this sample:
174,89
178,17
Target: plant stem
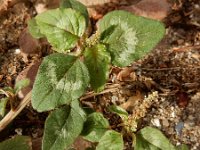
13,113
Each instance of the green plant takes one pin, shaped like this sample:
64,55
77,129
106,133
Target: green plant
17,142
83,60
11,95
147,138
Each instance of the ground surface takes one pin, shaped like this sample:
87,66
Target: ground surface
172,69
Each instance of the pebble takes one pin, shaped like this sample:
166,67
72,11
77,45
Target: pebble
114,99
17,51
156,122
165,122
170,130
190,117
179,127
161,110
18,131
173,114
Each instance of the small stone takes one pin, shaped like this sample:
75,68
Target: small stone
173,114
179,128
191,124
156,122
165,123
18,131
170,131
161,110
190,117
114,99
196,6
153,110
17,51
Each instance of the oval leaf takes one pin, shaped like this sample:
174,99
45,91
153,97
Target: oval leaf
119,111
76,5
111,140
97,60
18,142
63,126
34,29
60,79
142,144
129,37
156,138
95,127
62,27
182,147
21,84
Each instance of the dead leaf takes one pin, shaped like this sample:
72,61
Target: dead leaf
43,5
182,99
52,4
28,45
81,144
95,2
124,73
1,77
40,8
154,9
133,102
149,82
37,144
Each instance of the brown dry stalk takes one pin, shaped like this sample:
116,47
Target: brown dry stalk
186,48
172,68
13,113
109,88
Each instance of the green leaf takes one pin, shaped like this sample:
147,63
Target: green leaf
119,111
74,4
34,29
21,84
62,27
182,147
129,37
60,79
97,60
18,142
95,127
7,89
142,144
3,103
156,138
111,140
63,126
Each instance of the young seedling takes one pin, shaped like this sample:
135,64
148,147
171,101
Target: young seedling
11,95
80,61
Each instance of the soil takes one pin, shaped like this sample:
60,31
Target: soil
169,75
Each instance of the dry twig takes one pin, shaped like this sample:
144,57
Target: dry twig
13,113
110,88
186,48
